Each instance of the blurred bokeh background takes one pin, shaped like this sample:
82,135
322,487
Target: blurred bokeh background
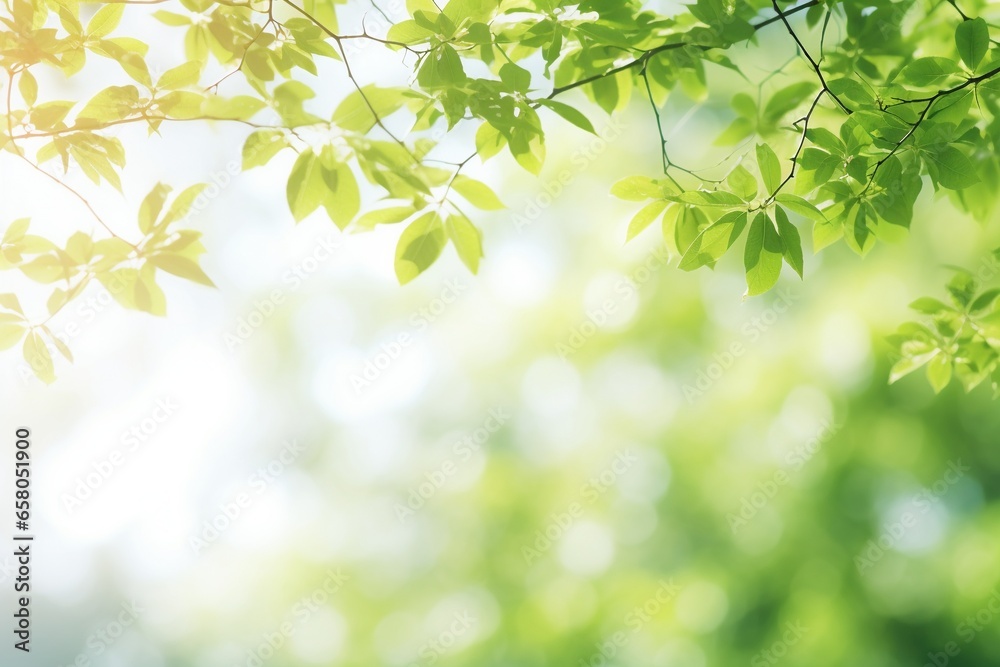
581,456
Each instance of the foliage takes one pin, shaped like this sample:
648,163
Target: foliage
858,126
961,340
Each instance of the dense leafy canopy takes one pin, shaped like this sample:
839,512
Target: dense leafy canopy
882,100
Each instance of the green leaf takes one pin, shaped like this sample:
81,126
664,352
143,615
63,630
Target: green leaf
419,246
28,87
742,182
516,78
787,99
710,199
737,131
182,204
11,303
713,242
950,167
939,373
467,240
849,89
762,256
146,294
354,113
46,115
607,93
861,239
152,205
905,366
306,189
184,104
261,146
972,39
182,267
470,10
16,230
637,188
171,18
984,301
442,68
826,139
382,216
645,217
10,334
790,240
37,354
930,306
112,103
798,205
59,345
241,107
105,20
962,288
181,76
342,199
770,168
528,149
688,223
572,114
477,193
408,32
489,141
927,72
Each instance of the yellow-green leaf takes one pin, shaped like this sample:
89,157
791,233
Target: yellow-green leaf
467,240
105,20
149,210
477,193
770,168
762,256
38,357
645,217
419,246
306,189
182,267
10,335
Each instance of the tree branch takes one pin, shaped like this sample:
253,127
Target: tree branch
644,58
802,142
805,52
929,102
